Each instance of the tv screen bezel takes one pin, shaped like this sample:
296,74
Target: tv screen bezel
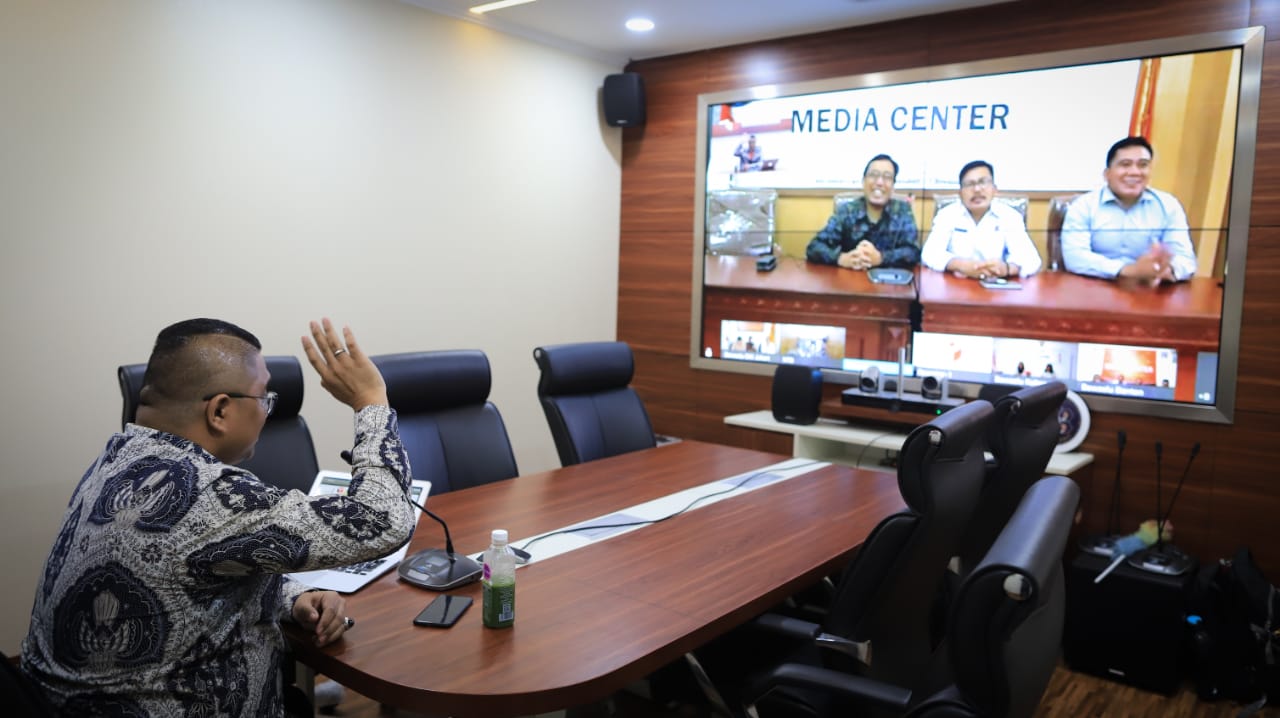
1250,40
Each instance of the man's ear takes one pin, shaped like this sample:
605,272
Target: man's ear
216,414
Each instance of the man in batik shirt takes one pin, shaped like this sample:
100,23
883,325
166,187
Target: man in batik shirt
164,590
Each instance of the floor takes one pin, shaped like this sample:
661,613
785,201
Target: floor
1069,695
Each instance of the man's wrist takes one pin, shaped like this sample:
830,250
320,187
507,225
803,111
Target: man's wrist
371,400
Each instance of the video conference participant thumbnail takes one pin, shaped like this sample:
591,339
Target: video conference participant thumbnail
979,238
1126,228
874,230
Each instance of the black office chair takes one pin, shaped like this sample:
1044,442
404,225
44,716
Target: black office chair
879,622
19,697
285,456
1023,435
1003,635
453,434
591,409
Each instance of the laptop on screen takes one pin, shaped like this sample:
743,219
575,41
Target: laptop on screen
347,579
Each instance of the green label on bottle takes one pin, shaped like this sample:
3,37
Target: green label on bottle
499,601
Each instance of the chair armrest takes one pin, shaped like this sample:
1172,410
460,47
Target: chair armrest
796,628
802,630
863,690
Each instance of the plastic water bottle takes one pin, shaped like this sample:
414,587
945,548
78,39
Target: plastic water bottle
498,584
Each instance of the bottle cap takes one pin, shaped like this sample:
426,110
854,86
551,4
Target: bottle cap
499,536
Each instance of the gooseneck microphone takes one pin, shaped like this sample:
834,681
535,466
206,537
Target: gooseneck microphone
1159,481
448,540
1195,450
439,570
1121,440
1106,544
432,568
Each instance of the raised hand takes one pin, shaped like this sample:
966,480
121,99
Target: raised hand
345,371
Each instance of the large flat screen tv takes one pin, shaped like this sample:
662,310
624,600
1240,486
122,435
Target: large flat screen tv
1136,301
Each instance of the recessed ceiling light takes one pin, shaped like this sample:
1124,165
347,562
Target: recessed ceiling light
482,9
639,24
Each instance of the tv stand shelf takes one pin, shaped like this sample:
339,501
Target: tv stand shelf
841,442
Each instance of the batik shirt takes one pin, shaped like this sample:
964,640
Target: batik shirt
163,593
894,235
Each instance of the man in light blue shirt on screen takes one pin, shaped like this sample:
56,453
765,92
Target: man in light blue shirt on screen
1127,229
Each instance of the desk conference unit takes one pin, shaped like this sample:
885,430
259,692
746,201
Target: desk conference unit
595,620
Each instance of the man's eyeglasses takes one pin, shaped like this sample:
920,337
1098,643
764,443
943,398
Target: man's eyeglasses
268,400
874,175
976,183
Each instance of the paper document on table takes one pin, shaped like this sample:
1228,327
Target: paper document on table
584,533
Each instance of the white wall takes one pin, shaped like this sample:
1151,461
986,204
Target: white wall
430,182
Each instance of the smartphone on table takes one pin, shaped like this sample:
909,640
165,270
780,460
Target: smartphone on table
1000,283
443,612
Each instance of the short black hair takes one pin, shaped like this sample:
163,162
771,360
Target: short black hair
178,367
877,158
975,165
1129,142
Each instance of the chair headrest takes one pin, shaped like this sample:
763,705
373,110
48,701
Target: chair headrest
286,380
1033,540
1032,405
1033,408
130,376
419,382
583,368
949,438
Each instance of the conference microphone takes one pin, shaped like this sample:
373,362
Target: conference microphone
1106,546
433,568
436,569
1165,558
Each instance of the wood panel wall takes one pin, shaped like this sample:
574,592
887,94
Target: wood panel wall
1232,496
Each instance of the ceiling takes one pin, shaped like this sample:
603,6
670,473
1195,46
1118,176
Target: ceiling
594,28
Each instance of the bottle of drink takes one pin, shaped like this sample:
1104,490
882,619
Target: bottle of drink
498,584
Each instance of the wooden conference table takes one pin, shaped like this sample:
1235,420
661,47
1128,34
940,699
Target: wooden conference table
877,317
593,620
1060,306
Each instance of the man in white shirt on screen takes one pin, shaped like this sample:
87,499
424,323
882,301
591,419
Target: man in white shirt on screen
1128,229
978,238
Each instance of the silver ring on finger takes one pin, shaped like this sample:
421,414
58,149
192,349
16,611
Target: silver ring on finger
339,352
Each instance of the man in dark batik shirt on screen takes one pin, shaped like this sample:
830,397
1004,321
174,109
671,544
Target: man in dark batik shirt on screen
874,230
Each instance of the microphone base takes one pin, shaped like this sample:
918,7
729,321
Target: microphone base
1163,559
433,569
1103,546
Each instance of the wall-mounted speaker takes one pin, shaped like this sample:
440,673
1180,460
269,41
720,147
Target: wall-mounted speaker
623,99
797,392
